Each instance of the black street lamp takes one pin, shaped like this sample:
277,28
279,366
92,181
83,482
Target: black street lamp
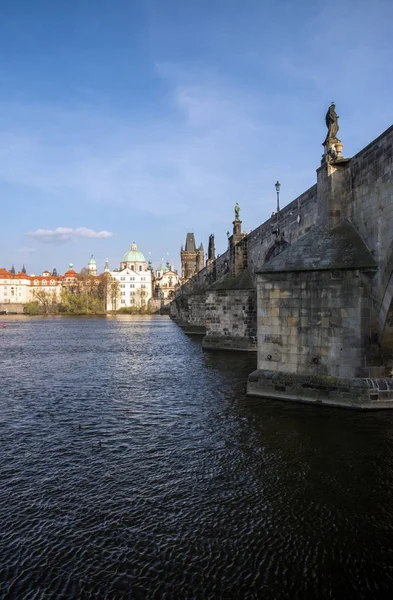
278,186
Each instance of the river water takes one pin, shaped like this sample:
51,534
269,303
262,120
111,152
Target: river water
133,465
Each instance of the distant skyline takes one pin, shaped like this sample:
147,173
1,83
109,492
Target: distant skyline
141,120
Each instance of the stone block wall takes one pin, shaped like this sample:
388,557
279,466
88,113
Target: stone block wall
189,309
197,309
261,239
231,319
12,307
370,195
239,254
314,323
179,309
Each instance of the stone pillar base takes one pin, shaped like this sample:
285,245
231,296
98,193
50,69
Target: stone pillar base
229,342
360,394
192,329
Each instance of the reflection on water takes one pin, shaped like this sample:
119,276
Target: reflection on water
133,466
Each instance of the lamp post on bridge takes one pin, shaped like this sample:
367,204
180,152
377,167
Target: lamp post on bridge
278,186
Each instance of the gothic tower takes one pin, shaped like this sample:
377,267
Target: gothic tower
192,258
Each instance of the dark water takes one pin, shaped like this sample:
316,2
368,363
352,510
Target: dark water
133,466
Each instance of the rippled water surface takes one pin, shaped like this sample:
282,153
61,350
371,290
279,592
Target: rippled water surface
134,466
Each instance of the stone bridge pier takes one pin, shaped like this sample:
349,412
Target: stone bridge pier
311,289
325,302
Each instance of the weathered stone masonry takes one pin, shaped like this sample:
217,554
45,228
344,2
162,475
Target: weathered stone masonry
324,302
324,286
229,319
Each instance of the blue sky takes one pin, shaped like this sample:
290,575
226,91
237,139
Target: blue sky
125,120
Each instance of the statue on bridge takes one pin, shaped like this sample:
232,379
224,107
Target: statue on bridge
211,254
331,123
237,212
333,146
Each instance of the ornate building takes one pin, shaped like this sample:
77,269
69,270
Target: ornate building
192,258
47,282
165,283
20,288
131,286
70,279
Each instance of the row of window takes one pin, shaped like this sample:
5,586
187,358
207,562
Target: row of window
36,282
132,267
131,278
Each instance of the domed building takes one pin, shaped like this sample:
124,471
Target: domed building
131,285
133,259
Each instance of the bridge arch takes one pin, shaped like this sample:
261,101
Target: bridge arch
278,246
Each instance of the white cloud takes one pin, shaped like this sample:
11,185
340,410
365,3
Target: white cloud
64,234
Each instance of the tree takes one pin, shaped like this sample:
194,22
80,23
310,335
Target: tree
140,297
114,293
46,300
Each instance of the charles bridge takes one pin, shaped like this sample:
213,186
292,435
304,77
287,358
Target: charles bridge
311,289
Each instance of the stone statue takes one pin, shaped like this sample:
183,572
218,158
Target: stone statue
331,123
211,255
237,212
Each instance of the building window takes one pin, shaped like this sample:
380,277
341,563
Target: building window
52,282
36,282
132,285
44,282
132,293
143,278
143,285
132,278
140,267
122,285
122,278
122,294
122,301
132,268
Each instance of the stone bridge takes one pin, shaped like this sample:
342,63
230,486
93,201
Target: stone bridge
311,289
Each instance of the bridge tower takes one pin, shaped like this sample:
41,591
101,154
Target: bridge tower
192,258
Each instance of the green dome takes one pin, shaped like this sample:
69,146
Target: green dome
163,267
92,261
133,255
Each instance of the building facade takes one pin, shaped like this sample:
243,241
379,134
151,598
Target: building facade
131,285
20,288
166,281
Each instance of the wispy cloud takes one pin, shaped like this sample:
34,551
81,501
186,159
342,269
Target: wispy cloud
65,234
